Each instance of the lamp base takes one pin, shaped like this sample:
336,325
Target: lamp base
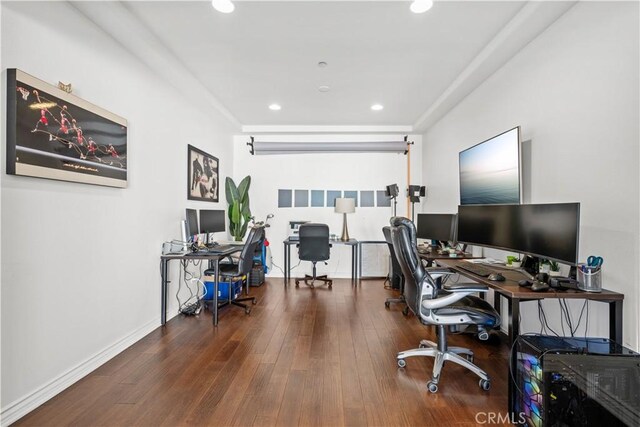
345,231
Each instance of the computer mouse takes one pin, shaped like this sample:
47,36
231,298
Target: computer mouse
496,277
539,287
525,283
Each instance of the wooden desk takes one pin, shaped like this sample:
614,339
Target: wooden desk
214,262
516,294
354,256
435,256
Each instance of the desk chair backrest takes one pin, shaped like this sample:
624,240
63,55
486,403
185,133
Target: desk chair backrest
403,236
395,266
314,242
245,262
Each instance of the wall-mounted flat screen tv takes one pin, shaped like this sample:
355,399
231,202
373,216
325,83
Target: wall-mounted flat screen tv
490,171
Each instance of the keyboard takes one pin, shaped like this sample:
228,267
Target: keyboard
476,269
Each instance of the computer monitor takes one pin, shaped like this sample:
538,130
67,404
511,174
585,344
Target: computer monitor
490,171
212,221
441,227
192,223
542,230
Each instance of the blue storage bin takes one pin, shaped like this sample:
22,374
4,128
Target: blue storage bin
223,290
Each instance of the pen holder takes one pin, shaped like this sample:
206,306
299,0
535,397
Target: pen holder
589,278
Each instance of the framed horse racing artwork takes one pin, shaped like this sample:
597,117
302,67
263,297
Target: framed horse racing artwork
202,175
56,135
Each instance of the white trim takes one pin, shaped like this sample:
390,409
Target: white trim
324,129
22,406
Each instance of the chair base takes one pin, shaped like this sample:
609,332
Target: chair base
313,279
237,302
441,355
401,300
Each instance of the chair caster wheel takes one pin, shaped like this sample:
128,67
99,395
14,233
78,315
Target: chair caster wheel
247,310
254,301
405,311
297,283
422,345
485,384
330,285
432,387
387,304
470,359
402,363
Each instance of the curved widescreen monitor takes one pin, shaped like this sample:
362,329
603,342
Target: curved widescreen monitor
437,227
490,171
545,230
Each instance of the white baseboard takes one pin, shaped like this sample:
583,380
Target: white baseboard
22,406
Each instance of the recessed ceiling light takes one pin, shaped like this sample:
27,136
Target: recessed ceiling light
421,6
377,107
322,64
223,6
324,88
275,107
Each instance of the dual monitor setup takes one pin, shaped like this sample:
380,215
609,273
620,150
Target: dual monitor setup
211,221
549,231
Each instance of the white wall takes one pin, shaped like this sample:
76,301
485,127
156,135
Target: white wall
574,91
331,171
80,263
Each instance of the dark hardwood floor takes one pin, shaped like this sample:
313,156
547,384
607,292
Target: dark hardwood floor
303,357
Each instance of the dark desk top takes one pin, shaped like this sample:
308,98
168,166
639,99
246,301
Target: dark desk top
287,241
202,255
434,255
511,288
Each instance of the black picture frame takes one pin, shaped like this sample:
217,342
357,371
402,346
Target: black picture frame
53,134
203,175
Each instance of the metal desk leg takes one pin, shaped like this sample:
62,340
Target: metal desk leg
359,260
497,303
287,253
514,319
615,321
355,261
215,292
163,303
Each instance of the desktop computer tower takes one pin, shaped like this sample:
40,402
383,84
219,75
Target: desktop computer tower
566,381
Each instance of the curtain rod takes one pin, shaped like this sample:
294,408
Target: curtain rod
271,147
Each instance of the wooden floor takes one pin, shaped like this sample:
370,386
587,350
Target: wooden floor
303,357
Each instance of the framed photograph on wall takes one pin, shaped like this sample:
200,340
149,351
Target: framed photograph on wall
56,135
202,175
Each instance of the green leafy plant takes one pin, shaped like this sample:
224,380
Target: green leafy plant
554,266
239,210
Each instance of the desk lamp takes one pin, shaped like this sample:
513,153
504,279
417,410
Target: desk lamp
345,206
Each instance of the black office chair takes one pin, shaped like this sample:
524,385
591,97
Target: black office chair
395,274
442,305
314,246
242,267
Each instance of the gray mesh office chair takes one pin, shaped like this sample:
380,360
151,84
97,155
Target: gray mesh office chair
449,305
314,246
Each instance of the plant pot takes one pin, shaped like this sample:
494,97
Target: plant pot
554,273
516,264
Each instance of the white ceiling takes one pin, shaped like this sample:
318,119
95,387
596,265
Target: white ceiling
417,66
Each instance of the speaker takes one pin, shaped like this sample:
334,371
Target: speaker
392,190
183,234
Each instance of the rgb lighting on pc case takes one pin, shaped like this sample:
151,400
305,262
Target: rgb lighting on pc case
530,399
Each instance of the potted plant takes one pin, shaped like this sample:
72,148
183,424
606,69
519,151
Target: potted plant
514,261
554,268
545,266
239,210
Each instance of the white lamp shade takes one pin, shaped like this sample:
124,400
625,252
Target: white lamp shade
345,205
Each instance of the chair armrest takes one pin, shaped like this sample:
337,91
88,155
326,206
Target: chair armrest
442,271
465,287
445,300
